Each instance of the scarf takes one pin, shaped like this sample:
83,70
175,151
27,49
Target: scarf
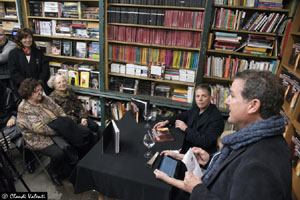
27,53
250,134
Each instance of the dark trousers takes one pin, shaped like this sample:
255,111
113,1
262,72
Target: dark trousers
57,166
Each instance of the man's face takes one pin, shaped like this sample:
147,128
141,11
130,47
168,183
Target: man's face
2,38
238,113
202,98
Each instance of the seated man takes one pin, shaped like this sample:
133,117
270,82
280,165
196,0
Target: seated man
255,161
202,124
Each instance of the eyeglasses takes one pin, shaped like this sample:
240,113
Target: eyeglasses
38,91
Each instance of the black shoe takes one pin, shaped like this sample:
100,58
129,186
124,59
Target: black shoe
54,177
30,168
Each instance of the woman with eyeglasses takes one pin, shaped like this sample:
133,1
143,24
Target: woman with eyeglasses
27,61
34,113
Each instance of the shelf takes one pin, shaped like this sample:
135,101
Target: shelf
66,37
295,33
214,78
152,79
291,69
8,19
248,32
154,45
252,8
72,58
8,1
288,110
157,27
155,6
160,101
66,19
233,53
296,125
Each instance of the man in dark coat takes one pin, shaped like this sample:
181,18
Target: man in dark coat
255,161
202,124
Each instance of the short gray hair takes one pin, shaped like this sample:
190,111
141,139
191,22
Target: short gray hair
51,81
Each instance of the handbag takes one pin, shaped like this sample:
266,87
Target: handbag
11,134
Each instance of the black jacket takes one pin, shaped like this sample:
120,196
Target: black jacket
37,68
8,105
208,129
260,171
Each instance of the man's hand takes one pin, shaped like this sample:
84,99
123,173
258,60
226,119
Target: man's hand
181,125
172,154
160,175
160,124
190,181
11,122
201,155
84,122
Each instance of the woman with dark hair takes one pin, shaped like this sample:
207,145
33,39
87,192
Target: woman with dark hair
34,113
27,61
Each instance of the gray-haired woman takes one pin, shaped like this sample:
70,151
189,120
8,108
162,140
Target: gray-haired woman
67,99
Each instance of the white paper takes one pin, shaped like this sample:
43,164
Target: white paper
191,163
116,136
156,70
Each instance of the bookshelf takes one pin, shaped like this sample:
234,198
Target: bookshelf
71,35
10,17
146,34
231,47
289,73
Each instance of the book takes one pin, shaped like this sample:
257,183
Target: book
94,79
168,165
163,135
66,48
116,132
56,47
81,49
84,79
73,77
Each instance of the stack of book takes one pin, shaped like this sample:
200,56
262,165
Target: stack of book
259,45
70,10
162,90
180,95
2,9
190,3
79,29
295,56
277,4
144,56
52,9
292,87
90,12
11,12
228,67
145,88
219,95
35,8
226,41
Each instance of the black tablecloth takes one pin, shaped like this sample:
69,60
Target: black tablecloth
124,175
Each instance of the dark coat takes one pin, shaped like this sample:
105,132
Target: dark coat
260,171
209,128
37,68
8,105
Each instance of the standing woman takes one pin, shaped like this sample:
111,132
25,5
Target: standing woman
26,61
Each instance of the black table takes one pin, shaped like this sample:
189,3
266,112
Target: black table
124,175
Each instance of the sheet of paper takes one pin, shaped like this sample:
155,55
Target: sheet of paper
191,163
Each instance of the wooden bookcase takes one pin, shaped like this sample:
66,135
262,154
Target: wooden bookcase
92,21
220,65
292,114
112,40
10,16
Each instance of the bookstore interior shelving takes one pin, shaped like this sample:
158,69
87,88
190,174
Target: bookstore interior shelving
289,73
10,17
153,50
234,29
70,34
